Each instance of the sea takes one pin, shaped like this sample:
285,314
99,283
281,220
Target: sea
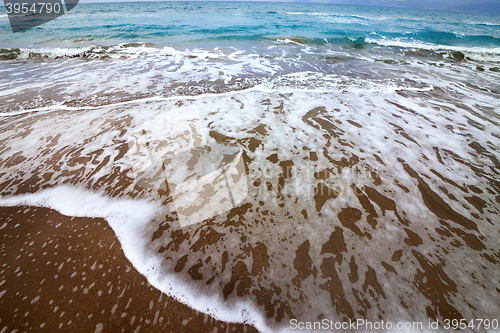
360,146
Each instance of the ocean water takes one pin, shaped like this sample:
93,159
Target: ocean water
370,139
188,48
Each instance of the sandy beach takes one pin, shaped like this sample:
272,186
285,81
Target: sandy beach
376,257
70,274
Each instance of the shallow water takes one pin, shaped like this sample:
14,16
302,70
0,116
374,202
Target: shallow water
349,214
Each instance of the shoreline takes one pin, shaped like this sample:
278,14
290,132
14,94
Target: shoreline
72,271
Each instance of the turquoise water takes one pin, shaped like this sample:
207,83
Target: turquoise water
226,24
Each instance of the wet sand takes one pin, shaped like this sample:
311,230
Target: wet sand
67,274
372,206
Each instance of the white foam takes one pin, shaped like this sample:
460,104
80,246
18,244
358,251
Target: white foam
62,107
98,328
122,214
481,53
129,220
292,139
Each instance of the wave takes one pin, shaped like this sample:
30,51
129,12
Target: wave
354,42
453,38
88,52
482,23
331,14
290,46
406,43
474,53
